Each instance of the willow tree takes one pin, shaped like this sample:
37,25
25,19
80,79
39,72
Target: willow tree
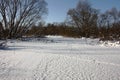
17,16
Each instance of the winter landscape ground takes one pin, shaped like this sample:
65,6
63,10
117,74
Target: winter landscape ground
60,58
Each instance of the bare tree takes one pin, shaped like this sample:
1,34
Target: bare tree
109,21
114,13
18,15
85,17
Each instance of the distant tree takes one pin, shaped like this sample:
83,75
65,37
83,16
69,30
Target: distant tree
109,24
19,15
115,27
114,13
85,17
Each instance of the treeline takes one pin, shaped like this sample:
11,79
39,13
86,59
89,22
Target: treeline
53,29
111,32
81,21
85,21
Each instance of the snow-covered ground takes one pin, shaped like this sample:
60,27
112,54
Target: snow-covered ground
59,58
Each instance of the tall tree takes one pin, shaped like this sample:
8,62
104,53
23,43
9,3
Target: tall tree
85,17
18,15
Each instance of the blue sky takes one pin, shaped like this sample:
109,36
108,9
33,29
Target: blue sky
57,9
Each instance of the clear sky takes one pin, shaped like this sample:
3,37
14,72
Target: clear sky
57,9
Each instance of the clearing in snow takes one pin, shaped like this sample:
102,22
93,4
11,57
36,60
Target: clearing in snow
60,58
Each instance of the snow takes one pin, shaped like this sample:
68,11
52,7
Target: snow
110,43
3,44
60,58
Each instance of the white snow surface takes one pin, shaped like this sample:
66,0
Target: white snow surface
60,58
